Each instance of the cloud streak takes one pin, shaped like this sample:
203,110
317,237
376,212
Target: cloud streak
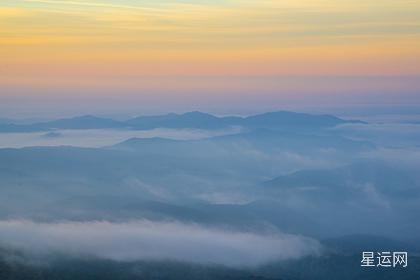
148,240
95,4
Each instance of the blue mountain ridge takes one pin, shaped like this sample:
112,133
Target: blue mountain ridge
191,120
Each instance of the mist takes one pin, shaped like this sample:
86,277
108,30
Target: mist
101,137
148,240
275,191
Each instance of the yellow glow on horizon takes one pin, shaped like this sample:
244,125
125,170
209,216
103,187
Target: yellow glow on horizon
70,40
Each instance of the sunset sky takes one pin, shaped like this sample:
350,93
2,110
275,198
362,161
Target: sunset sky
71,57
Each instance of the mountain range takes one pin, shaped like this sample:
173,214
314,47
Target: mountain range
190,120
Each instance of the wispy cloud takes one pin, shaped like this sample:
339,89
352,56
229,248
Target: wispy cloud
147,240
96,4
135,39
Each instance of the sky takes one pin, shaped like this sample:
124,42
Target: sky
60,57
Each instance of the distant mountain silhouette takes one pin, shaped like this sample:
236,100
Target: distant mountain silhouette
349,179
187,120
292,119
6,121
267,140
82,122
192,120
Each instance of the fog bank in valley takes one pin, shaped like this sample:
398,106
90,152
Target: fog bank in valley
149,240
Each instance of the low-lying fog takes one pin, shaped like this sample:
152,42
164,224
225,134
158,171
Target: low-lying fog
233,197
101,137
